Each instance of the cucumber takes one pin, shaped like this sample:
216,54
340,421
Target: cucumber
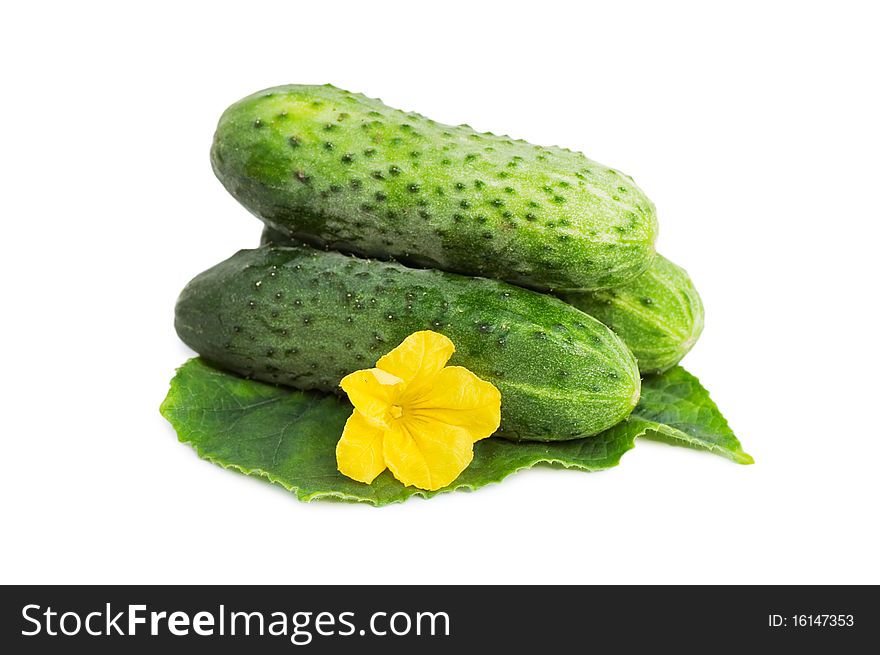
306,318
338,169
271,236
659,315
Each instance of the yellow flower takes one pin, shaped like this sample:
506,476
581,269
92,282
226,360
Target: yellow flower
415,415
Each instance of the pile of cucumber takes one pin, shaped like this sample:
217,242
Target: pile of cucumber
537,262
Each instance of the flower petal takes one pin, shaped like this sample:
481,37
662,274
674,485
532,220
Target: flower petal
359,453
418,358
458,397
373,391
425,454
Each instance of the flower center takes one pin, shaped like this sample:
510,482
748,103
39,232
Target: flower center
396,411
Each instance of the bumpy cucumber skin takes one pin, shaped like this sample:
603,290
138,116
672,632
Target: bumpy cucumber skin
306,318
338,169
659,315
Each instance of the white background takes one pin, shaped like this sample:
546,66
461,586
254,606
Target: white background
753,128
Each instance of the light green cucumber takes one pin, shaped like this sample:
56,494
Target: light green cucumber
340,170
659,315
306,318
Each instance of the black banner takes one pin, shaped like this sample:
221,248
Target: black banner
321,619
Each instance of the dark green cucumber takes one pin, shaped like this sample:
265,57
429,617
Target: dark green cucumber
340,170
272,237
659,315
306,318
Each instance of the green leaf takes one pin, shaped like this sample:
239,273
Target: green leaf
683,414
289,437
